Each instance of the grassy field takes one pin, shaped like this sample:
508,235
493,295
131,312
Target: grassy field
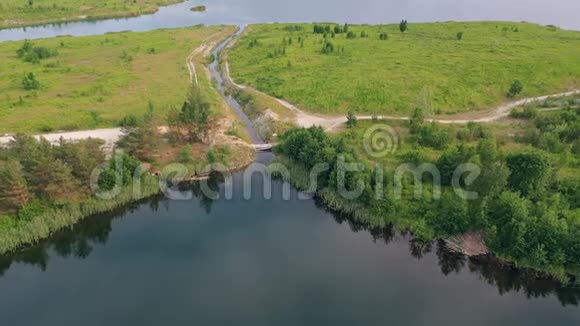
14,13
427,62
95,81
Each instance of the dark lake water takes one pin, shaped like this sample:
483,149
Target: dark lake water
260,262
563,13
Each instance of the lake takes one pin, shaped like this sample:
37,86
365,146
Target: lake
563,13
260,262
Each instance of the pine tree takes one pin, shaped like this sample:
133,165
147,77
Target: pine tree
195,115
83,156
14,192
142,140
54,179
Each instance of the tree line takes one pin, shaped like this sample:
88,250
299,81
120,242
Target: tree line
527,213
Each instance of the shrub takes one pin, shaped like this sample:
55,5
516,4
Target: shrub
403,26
30,53
432,135
551,142
528,112
327,48
515,89
211,156
320,29
351,35
383,36
415,156
460,36
129,121
351,120
576,147
29,82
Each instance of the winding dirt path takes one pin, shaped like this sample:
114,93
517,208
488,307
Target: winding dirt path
203,49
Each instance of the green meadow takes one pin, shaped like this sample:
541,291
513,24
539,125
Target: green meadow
379,69
95,81
14,13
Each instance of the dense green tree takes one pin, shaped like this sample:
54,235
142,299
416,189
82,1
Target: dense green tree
529,173
494,172
195,115
119,172
510,214
450,217
450,161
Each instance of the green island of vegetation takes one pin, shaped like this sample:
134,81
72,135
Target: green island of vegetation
16,13
467,66
528,191
71,83
199,8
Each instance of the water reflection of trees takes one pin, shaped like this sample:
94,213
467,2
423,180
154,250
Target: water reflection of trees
504,277
79,240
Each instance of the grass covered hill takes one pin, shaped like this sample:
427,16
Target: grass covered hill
458,66
69,83
14,13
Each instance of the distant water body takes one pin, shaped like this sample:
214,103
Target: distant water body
563,13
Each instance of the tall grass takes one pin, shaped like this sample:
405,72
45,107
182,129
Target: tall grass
15,234
110,76
425,64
